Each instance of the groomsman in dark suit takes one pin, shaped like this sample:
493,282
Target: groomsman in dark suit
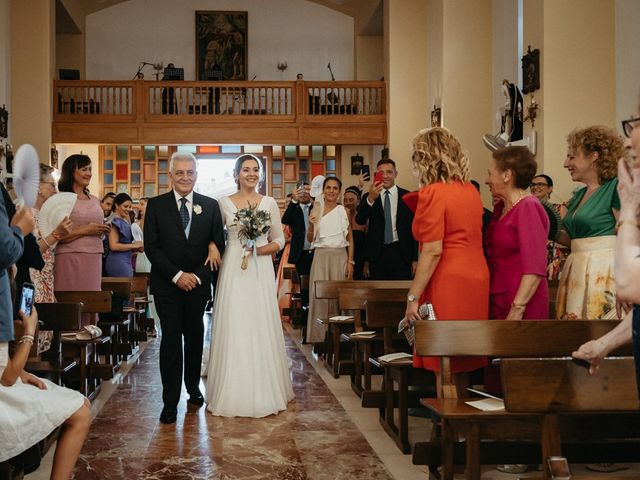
178,227
390,248
297,217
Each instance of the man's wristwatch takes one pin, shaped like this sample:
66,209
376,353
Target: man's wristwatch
352,262
412,298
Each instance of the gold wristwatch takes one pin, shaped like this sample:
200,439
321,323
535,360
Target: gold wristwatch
412,298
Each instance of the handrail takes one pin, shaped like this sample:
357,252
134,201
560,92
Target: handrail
101,100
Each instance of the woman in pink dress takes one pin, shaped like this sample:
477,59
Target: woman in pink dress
516,239
78,265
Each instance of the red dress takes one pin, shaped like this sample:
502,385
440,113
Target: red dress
459,286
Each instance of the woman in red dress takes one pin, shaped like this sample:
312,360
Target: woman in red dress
452,272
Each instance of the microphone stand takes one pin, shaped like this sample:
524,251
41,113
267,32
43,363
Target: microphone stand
333,79
142,65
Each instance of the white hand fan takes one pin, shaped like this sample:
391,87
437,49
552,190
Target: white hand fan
54,210
26,175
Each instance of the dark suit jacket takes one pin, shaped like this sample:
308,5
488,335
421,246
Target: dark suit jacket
170,251
294,217
375,233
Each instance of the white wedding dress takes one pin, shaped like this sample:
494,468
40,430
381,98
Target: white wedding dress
248,371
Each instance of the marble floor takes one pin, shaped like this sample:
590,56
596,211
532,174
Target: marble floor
324,433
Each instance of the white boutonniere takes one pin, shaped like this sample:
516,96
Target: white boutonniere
197,209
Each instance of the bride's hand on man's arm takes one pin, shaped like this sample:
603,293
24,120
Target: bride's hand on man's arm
214,260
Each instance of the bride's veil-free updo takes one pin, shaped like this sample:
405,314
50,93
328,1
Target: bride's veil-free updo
238,166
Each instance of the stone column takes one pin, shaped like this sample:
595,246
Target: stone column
32,66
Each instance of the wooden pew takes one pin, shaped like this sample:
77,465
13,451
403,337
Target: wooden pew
569,389
147,323
91,371
386,315
328,290
496,338
58,317
122,329
354,299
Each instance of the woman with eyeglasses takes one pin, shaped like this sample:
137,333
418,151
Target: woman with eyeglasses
541,187
43,279
587,287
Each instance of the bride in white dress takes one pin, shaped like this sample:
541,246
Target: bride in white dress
248,371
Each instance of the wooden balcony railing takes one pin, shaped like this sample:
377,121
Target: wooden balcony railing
186,104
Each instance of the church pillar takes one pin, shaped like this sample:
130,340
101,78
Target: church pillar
32,66
577,46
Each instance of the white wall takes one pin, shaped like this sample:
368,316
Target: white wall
506,59
306,35
627,59
434,53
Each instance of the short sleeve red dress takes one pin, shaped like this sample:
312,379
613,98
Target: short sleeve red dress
459,287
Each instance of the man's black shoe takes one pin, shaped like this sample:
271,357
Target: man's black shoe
197,400
168,415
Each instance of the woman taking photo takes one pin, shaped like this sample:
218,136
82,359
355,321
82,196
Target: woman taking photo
121,241
452,272
516,239
78,265
587,288
331,237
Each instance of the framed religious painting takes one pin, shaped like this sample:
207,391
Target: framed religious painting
531,71
221,44
4,122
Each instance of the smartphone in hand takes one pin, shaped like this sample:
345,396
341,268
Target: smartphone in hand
26,300
377,177
365,171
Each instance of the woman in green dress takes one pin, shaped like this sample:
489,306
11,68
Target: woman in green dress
587,288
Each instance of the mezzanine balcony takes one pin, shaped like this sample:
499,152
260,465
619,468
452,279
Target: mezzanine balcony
186,112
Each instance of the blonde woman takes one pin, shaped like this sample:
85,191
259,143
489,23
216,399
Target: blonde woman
452,272
587,288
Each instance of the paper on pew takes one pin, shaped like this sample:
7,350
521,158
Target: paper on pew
394,357
487,404
341,318
363,334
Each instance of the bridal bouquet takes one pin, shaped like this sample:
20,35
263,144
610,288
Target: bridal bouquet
252,223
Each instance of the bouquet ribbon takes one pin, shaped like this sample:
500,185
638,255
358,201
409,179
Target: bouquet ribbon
245,256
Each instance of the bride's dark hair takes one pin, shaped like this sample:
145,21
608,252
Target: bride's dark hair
240,161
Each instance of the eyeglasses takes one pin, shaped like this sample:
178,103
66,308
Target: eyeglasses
628,126
538,184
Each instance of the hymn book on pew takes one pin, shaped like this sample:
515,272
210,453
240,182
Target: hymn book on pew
396,357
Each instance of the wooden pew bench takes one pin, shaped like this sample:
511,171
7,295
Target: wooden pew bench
354,300
395,403
504,339
551,387
57,317
86,352
329,290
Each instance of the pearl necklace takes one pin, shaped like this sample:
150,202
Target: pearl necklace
507,210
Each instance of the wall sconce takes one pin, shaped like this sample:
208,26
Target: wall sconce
282,66
532,111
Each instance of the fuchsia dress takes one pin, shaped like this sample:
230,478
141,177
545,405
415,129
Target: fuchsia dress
516,245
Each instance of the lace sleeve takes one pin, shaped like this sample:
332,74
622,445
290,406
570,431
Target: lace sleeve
276,234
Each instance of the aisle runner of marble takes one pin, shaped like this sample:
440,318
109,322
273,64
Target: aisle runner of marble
314,439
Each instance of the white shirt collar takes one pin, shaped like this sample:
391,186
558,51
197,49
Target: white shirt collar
393,190
188,197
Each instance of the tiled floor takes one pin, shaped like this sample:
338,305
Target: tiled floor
324,434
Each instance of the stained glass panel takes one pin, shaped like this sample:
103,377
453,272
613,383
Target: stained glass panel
122,152
149,152
316,153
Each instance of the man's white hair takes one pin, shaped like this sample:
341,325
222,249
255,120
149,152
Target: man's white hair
182,156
